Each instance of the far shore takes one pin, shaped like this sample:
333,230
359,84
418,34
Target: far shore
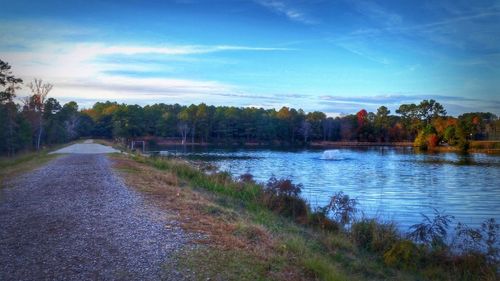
488,147
332,144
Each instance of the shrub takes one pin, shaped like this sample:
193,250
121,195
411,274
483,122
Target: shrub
283,187
246,178
362,233
404,254
420,141
474,266
490,230
432,141
481,240
431,232
319,218
342,208
374,236
282,196
463,144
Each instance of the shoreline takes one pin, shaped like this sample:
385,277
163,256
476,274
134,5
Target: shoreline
486,147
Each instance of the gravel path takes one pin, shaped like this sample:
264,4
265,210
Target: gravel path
74,219
86,148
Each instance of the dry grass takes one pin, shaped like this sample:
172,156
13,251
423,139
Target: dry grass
226,231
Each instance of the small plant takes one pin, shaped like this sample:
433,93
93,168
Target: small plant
431,232
342,208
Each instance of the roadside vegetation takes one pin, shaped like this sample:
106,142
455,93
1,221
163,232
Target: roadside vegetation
267,231
22,163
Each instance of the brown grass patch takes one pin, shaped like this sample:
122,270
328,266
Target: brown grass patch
196,210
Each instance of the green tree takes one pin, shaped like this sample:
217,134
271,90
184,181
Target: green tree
10,122
382,123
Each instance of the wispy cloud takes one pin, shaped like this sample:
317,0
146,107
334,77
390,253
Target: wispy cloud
368,53
461,29
377,13
76,69
285,8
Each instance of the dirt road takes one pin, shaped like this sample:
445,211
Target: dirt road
74,219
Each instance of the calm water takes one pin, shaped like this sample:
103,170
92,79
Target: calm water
389,183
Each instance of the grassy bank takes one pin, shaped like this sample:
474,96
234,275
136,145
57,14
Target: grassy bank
256,232
22,163
28,160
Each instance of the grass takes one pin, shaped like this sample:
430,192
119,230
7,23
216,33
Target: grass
242,239
22,163
27,161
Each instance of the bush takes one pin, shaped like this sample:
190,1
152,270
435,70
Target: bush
481,240
342,208
474,266
319,218
282,196
246,178
283,187
431,232
420,141
374,236
463,145
404,254
432,141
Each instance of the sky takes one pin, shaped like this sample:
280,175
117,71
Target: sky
333,56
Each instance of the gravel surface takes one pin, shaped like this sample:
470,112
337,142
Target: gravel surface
74,219
86,148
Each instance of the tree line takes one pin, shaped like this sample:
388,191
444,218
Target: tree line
40,120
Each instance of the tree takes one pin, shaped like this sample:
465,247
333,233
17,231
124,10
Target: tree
316,119
429,109
71,120
305,130
183,130
8,82
381,121
40,91
8,109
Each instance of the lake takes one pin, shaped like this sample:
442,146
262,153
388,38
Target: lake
390,183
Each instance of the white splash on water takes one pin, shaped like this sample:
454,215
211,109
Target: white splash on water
332,154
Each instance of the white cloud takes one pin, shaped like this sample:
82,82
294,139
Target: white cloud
75,72
284,8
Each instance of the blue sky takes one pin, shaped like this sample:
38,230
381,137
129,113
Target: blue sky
333,56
